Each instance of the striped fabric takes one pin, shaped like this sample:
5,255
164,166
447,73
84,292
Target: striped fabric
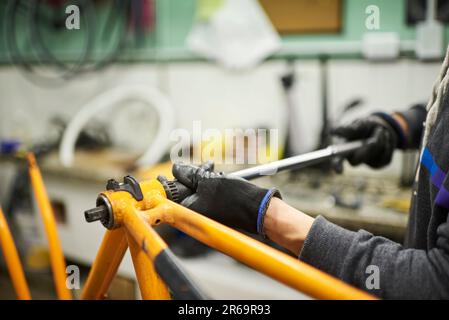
437,177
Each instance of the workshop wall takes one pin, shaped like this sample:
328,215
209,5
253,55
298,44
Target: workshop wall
171,36
223,98
174,19
220,98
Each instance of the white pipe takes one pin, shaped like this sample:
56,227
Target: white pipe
332,47
292,48
150,96
431,10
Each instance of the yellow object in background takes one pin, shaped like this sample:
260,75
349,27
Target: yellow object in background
149,173
207,8
209,148
37,258
397,204
213,149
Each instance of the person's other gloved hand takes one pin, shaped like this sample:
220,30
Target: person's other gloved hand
378,126
232,201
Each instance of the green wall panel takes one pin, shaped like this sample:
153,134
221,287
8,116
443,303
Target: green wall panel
174,19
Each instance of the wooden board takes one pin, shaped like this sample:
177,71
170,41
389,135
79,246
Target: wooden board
304,16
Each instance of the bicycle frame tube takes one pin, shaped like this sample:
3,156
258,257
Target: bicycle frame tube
110,254
165,263
13,261
253,253
46,211
150,284
151,258
155,209
145,245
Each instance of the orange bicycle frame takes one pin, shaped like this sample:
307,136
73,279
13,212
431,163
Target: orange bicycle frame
13,261
133,222
46,211
56,255
158,272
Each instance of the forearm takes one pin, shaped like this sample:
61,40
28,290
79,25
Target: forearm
408,126
286,226
412,122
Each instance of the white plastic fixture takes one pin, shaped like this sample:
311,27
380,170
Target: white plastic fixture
381,45
102,103
430,35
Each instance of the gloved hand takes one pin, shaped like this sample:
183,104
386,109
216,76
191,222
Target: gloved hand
380,126
232,201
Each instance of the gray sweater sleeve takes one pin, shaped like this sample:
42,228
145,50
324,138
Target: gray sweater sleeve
403,273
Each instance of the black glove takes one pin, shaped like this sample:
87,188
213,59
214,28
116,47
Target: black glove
232,201
378,126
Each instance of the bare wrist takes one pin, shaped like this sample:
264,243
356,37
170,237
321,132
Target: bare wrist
286,226
402,122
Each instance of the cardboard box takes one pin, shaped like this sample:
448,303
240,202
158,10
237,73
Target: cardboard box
304,16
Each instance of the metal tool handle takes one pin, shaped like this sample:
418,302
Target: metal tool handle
177,192
302,160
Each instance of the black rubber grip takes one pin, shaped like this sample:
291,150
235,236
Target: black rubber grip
175,190
183,191
179,283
